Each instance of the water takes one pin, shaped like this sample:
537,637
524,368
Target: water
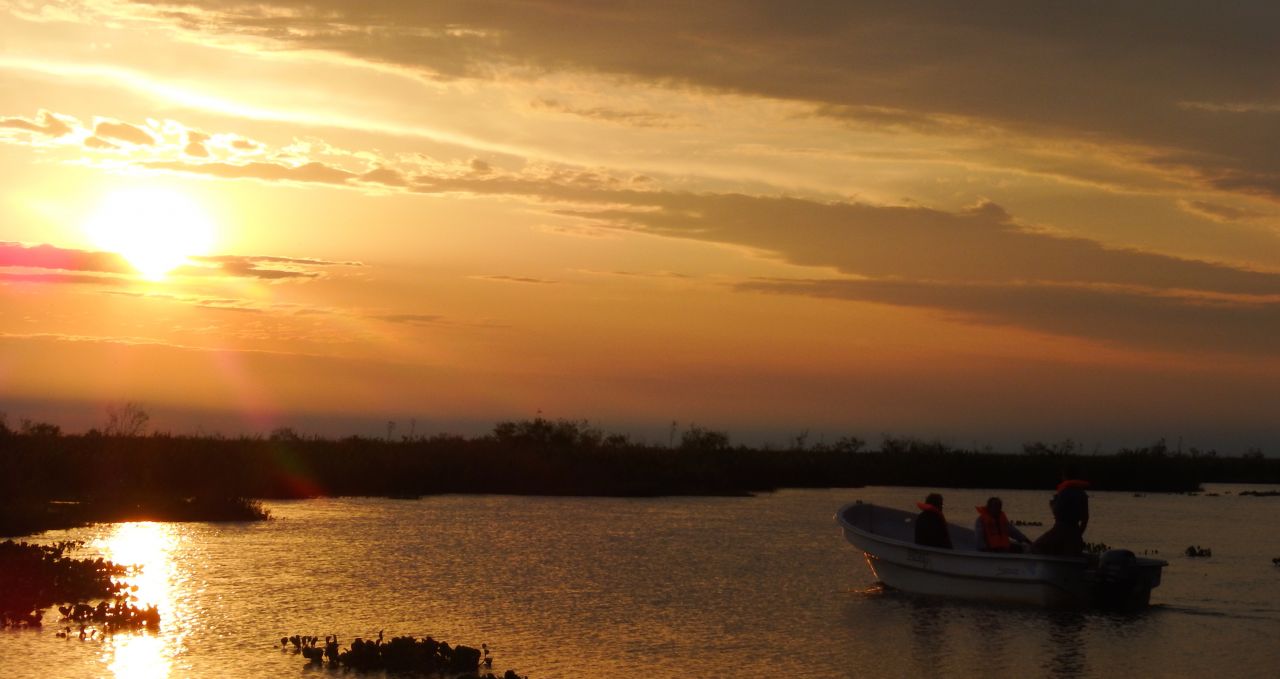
596,587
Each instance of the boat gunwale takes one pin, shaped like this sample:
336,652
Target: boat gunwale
966,553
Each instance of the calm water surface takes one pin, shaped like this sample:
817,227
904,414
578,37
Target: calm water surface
592,587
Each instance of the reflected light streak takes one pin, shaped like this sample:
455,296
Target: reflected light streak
139,656
150,545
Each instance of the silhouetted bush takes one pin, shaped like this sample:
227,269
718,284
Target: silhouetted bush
696,438
543,432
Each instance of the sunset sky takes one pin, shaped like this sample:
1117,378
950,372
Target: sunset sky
989,224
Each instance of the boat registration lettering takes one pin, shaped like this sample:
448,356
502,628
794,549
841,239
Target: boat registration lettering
918,557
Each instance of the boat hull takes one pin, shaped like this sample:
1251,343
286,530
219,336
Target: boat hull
884,537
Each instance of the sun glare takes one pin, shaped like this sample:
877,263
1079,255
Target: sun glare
155,229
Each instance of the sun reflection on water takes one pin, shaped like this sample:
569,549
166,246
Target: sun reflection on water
138,656
150,546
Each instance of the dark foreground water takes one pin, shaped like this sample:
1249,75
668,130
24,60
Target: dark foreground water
688,587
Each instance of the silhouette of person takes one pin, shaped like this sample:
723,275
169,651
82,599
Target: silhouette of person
931,525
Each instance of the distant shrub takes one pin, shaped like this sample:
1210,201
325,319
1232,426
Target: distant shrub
129,419
39,429
700,439
848,444
543,432
1059,449
284,434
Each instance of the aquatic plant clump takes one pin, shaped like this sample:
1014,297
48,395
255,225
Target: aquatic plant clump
35,577
112,615
404,654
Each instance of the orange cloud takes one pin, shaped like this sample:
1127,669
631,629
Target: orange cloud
46,123
924,66
52,257
118,131
1141,318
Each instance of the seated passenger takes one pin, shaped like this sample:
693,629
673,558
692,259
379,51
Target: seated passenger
995,533
931,525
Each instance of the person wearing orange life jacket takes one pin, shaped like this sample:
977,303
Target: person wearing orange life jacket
931,525
995,533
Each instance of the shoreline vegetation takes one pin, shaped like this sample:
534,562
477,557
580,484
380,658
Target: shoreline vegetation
56,480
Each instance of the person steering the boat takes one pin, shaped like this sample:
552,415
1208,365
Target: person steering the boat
931,525
995,533
1070,517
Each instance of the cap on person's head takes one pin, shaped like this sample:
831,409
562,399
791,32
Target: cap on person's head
934,499
994,504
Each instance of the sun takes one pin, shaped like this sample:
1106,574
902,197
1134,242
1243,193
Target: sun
155,229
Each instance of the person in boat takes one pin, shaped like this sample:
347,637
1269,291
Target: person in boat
995,533
931,525
1070,517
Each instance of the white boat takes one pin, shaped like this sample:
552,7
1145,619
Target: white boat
886,536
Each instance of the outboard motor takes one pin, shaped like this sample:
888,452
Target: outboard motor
1116,582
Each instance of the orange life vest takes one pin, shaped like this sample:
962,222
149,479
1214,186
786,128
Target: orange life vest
929,508
995,530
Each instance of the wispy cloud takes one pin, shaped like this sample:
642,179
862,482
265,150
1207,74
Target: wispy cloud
1220,213
528,280
312,172
261,266
917,67
45,123
984,244
60,278
637,274
606,114
46,256
216,303
112,130
411,319
1126,316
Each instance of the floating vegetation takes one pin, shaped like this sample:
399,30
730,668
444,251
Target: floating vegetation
1020,522
112,615
404,654
35,577
1198,551
1275,561
1261,493
1096,547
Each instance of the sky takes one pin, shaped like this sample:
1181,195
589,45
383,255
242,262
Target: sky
983,224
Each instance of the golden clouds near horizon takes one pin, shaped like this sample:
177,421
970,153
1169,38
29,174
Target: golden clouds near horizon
155,229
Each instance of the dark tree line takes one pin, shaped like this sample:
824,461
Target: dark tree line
555,457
